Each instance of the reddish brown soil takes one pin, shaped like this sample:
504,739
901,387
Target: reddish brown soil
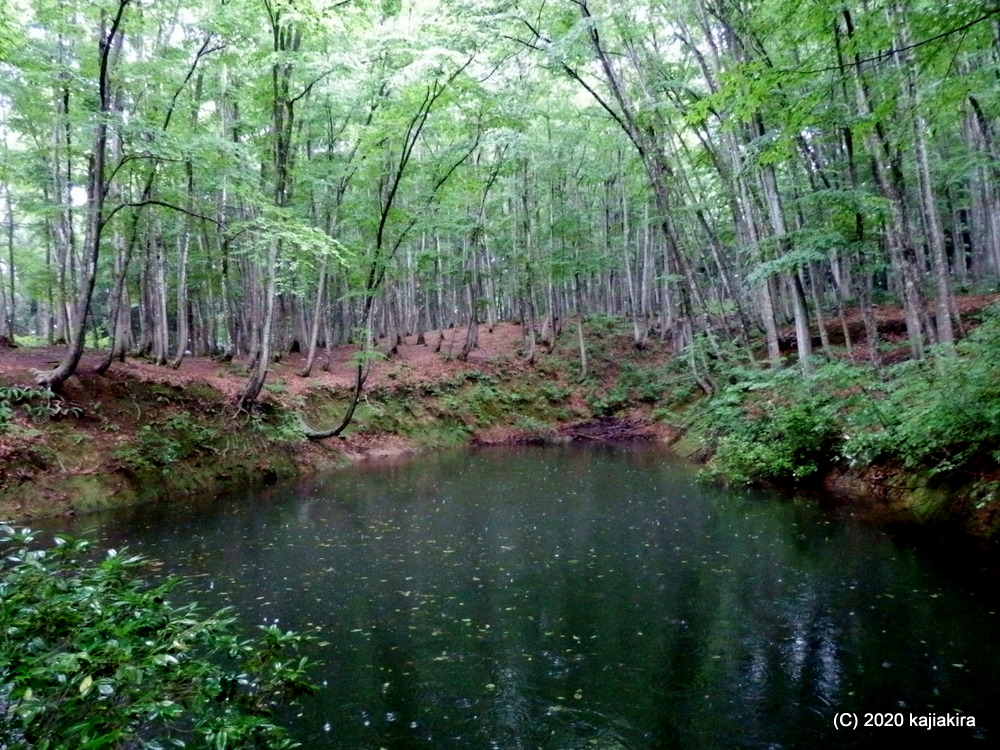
412,363
891,324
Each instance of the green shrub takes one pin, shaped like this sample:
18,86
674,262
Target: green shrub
281,426
785,442
941,414
39,403
93,657
609,403
775,425
555,393
647,384
151,450
938,416
161,444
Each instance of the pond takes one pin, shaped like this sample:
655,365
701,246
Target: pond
586,598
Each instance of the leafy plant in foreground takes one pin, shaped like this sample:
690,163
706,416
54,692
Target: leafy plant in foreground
93,657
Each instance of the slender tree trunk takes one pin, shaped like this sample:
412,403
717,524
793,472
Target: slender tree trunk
932,220
183,328
258,373
897,229
316,320
803,339
471,288
109,47
360,376
10,308
638,327
286,41
824,335
161,326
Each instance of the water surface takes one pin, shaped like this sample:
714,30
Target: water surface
584,598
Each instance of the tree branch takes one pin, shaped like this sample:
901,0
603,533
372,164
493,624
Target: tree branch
154,202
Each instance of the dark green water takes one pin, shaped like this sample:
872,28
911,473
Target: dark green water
587,598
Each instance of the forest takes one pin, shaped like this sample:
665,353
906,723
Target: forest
769,229
245,178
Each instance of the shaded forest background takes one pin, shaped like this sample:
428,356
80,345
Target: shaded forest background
244,178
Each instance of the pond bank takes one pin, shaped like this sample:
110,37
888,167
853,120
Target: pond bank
143,433
149,434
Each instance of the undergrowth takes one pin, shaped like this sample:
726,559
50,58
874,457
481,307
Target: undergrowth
39,404
939,417
165,442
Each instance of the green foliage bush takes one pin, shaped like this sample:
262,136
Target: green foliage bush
598,325
38,403
775,425
941,414
646,384
609,403
93,657
279,426
152,450
784,442
937,416
555,393
158,445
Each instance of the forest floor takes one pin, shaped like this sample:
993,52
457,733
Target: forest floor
891,324
436,360
144,432
422,362
413,365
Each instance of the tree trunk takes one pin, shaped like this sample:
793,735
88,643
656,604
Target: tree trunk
259,371
183,328
10,308
317,320
897,229
109,47
932,220
471,287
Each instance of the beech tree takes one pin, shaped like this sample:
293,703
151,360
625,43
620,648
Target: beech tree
109,37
